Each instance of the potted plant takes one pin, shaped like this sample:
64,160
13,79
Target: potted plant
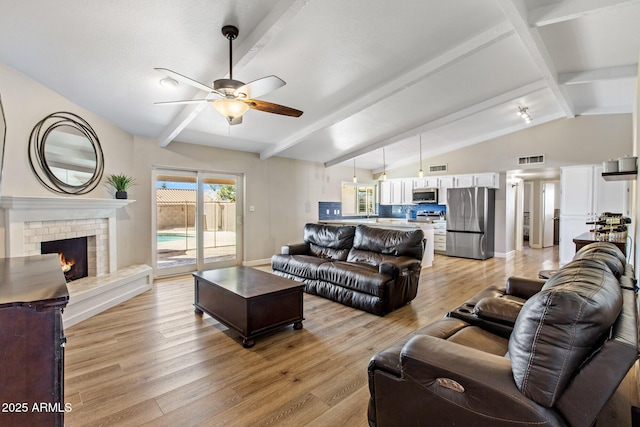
120,182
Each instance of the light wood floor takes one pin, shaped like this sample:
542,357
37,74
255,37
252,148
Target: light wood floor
152,361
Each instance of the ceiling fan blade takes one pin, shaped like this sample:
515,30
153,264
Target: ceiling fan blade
270,107
260,87
191,101
184,79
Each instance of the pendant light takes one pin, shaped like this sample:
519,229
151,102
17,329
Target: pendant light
384,166
355,178
420,172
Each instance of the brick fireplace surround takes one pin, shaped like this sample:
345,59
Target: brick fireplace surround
32,220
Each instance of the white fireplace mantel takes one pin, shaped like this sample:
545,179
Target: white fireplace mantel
21,209
37,203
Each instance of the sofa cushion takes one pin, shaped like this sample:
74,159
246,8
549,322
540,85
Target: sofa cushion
359,277
561,326
389,242
303,266
329,241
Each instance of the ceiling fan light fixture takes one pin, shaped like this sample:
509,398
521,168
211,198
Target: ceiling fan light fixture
169,82
230,108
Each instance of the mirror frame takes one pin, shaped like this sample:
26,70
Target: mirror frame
38,160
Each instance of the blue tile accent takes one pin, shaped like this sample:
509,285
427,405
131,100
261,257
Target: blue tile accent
399,211
329,210
333,210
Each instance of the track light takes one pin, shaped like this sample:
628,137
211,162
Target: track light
524,113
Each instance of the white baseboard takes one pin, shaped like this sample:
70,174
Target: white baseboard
93,295
256,262
505,254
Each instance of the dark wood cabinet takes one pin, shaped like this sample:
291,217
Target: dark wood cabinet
33,293
586,238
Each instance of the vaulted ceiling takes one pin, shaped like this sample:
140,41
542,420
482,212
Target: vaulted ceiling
367,73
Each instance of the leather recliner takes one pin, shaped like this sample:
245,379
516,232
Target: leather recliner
571,345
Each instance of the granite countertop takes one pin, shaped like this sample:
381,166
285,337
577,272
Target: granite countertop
382,222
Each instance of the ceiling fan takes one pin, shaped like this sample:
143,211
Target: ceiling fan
236,97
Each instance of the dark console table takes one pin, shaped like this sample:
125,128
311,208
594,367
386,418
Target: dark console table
248,300
33,293
586,238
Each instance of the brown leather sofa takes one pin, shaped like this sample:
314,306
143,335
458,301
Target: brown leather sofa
571,344
372,269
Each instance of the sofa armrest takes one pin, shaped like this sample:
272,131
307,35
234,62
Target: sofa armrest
523,287
295,249
400,266
477,383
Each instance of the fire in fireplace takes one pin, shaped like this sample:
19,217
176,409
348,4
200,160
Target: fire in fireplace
73,256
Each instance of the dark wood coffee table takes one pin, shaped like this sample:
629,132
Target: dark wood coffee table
248,301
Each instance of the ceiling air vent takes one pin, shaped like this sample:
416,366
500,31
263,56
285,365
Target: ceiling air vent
438,168
531,160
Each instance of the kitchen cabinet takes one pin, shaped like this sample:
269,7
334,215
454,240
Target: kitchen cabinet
358,199
366,200
463,181
396,192
584,196
426,182
444,183
440,237
399,191
490,180
385,192
348,194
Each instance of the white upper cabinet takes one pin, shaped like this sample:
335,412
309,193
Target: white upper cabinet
399,191
426,182
396,191
445,183
464,181
385,192
576,186
491,180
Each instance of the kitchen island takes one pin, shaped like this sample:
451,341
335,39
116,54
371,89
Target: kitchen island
396,223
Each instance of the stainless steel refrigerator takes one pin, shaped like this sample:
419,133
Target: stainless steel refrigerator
470,222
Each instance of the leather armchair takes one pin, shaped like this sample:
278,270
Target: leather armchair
571,345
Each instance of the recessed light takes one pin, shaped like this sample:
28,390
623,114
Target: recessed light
169,82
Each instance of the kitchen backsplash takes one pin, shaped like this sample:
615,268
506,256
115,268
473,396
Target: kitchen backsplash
333,210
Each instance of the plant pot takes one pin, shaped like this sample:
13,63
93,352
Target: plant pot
121,194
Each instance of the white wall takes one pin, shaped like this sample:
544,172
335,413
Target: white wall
26,103
285,192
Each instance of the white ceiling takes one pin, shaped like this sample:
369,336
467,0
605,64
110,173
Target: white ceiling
366,73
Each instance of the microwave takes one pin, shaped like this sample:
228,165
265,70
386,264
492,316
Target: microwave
425,195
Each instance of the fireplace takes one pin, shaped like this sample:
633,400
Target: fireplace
73,256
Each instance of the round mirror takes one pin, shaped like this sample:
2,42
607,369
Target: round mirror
65,154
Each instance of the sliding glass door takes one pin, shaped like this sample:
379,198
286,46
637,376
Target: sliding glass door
197,220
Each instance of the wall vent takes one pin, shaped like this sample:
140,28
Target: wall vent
438,168
531,160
